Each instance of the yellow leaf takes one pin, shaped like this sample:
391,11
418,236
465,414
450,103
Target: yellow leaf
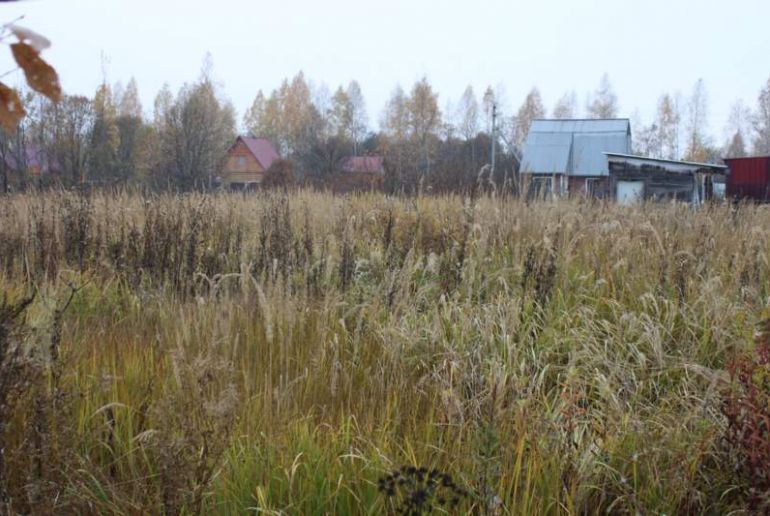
11,108
41,76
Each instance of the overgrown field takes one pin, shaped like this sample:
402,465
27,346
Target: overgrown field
287,354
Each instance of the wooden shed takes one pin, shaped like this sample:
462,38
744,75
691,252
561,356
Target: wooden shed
247,161
635,178
749,178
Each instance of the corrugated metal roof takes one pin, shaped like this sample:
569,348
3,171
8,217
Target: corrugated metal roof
574,147
547,153
587,125
588,150
674,165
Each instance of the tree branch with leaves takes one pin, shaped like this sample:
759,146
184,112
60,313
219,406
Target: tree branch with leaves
40,76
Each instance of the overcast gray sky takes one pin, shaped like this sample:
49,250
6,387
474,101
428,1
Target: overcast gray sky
647,47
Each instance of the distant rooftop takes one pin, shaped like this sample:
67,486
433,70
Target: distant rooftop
581,125
262,149
363,164
671,165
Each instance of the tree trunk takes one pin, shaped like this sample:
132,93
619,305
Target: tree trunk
4,168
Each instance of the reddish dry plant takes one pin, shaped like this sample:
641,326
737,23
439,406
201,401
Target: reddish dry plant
747,410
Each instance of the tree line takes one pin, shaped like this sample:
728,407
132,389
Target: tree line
108,140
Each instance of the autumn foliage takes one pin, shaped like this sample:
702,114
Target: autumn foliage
40,76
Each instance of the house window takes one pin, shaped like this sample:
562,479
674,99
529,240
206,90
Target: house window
594,187
240,161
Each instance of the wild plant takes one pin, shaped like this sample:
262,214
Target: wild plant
746,408
194,422
14,373
414,491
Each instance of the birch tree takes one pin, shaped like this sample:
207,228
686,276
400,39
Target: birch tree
194,132
253,118
697,121
340,115
395,117
668,120
105,136
128,102
531,109
761,122
131,130
359,119
604,102
566,106
424,116
737,130
467,114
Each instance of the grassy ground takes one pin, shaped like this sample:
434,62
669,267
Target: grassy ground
283,354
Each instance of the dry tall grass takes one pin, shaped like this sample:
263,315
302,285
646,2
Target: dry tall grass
283,354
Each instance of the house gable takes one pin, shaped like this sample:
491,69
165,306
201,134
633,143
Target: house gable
574,147
247,161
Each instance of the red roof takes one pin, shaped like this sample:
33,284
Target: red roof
262,149
34,157
363,164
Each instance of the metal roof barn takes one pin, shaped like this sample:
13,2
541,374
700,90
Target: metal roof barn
574,147
749,178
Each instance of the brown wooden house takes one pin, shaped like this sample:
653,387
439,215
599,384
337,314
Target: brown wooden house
247,161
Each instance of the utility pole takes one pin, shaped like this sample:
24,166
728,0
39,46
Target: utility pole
494,137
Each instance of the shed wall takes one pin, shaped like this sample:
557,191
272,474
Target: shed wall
749,178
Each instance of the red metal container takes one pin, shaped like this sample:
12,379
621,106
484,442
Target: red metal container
749,178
